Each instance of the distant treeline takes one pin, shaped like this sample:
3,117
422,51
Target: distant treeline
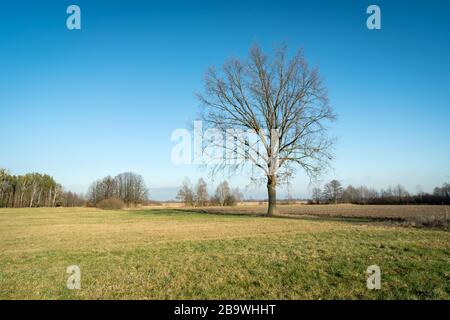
34,190
197,196
334,192
127,187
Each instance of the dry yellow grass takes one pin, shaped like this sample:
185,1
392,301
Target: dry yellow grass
25,230
411,213
169,254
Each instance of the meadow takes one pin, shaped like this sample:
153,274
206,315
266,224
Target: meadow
406,215
168,253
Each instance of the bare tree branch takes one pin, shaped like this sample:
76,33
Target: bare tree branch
283,102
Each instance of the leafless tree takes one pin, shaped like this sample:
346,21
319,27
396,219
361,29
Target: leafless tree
443,191
351,194
333,191
128,187
225,195
400,192
283,102
186,194
223,192
201,193
237,195
316,195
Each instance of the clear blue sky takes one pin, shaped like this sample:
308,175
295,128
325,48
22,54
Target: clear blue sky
80,105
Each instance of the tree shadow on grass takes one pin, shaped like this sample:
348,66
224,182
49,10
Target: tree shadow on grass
199,212
205,212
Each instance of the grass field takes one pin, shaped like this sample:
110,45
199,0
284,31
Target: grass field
165,253
411,215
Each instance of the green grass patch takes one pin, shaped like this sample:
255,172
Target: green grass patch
166,254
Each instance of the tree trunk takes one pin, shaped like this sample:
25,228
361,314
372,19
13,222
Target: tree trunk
272,191
21,198
50,197
39,199
14,197
54,196
33,193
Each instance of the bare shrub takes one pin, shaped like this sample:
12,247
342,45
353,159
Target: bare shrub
433,221
111,204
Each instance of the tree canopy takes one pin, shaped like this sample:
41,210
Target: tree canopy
283,102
